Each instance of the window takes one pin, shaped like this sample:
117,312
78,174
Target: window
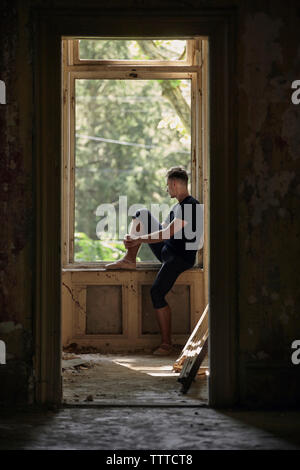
132,51
131,109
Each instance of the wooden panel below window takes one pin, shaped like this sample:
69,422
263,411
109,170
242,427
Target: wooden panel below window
104,310
112,310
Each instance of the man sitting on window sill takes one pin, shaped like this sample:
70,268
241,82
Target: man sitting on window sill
171,245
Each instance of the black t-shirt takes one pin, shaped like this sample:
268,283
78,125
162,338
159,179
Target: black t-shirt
187,241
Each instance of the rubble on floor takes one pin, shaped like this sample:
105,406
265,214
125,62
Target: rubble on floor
108,379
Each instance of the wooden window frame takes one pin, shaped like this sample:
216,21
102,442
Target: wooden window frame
75,68
76,60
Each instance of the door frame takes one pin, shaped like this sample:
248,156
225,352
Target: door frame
50,25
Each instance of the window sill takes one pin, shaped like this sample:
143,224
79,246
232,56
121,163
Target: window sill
142,266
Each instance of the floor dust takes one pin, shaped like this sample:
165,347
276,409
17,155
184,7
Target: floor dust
127,428
128,379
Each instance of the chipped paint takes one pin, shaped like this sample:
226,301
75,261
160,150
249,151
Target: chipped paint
268,191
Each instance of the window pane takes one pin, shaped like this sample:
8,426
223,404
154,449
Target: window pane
128,133
144,49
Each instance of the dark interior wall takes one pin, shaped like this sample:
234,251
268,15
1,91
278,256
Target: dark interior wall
268,61
268,195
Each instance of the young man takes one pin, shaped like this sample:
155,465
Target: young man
171,244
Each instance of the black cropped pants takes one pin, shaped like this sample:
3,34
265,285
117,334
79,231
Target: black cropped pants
172,264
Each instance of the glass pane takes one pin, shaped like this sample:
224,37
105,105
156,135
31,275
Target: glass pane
144,49
128,133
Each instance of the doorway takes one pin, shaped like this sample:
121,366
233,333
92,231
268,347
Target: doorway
220,176
131,110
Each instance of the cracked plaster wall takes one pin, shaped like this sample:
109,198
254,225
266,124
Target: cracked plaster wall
268,193
268,60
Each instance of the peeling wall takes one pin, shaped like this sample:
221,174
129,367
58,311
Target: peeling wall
16,213
269,193
268,60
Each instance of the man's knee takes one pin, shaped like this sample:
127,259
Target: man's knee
143,212
148,221
143,216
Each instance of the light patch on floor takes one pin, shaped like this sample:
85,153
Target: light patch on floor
128,379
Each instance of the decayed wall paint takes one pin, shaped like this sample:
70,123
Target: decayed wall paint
268,205
16,214
268,55
268,189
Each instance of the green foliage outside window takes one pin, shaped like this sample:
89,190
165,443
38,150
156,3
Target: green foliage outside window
128,133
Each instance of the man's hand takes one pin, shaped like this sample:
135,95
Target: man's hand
131,241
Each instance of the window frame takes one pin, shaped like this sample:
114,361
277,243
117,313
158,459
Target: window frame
128,62
75,68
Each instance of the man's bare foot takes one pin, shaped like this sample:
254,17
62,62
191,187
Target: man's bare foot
123,263
164,350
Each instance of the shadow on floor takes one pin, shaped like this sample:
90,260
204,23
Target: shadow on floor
144,428
283,424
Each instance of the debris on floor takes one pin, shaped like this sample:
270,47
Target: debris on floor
76,349
89,398
140,428
70,361
122,379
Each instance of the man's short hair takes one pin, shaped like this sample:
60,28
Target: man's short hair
179,173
